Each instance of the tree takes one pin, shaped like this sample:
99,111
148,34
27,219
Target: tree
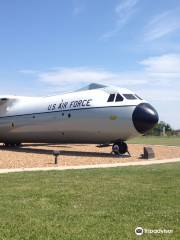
157,130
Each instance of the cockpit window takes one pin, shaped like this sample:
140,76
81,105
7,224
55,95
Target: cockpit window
129,96
138,96
111,98
119,98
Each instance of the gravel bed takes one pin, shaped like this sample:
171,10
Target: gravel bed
40,155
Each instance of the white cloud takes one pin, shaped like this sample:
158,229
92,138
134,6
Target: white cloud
123,11
160,94
158,70
165,64
157,76
65,76
162,25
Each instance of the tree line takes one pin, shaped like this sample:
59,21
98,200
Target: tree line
161,129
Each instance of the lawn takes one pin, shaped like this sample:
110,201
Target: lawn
171,141
90,204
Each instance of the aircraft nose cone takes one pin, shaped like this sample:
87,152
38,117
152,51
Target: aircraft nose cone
144,117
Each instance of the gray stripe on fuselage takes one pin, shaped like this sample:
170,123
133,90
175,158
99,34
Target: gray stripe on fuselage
65,110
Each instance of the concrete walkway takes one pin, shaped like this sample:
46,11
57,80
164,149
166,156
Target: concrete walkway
138,163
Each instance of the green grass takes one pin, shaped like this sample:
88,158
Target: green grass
90,204
172,141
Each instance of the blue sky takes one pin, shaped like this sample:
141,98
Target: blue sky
60,45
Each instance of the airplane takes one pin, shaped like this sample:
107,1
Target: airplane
96,114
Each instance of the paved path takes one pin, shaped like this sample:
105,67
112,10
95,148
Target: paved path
138,163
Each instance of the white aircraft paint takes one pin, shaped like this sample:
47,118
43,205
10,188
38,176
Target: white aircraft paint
83,116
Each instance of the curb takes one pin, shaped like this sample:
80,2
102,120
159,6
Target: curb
137,163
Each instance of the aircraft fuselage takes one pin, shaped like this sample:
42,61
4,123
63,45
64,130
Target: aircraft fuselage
88,116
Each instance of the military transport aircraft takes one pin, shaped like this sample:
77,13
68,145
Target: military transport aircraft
96,114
